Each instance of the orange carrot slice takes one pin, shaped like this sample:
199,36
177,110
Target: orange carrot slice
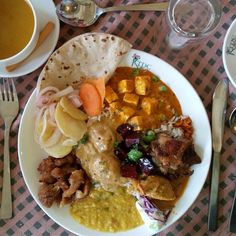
100,86
91,99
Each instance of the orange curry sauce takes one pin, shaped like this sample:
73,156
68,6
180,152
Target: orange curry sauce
168,106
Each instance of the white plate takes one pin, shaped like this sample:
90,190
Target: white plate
45,10
30,153
229,53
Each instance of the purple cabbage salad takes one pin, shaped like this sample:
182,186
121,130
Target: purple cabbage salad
152,211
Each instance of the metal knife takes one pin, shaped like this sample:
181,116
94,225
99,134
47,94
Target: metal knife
232,221
218,122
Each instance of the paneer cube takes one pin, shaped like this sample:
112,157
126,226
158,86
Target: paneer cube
115,106
126,86
110,95
126,112
137,122
142,84
149,105
131,98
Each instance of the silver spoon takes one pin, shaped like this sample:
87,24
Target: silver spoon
83,13
232,121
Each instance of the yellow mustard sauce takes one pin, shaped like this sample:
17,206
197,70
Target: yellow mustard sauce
107,211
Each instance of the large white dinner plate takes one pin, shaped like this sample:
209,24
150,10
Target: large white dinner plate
229,53
45,10
30,154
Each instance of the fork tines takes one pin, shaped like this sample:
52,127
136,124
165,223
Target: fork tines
7,90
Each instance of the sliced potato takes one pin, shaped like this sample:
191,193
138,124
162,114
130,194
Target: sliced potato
72,110
44,133
48,129
39,127
69,142
58,150
157,187
70,127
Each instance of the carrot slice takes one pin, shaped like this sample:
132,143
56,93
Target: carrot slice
91,99
100,86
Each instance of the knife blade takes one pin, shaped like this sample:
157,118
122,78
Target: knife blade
218,122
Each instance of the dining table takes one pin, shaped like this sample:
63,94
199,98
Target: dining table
203,68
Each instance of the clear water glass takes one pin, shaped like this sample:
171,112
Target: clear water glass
189,21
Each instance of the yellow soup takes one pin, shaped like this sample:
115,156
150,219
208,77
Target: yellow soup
16,26
106,211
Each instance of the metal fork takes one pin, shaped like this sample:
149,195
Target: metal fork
9,107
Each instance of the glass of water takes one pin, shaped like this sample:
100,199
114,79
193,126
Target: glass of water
189,21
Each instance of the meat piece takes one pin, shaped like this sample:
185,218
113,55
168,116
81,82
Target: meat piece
96,156
173,156
79,194
45,168
69,159
47,178
168,152
63,172
66,200
62,184
60,179
105,169
86,154
190,157
48,193
46,165
76,179
157,187
101,136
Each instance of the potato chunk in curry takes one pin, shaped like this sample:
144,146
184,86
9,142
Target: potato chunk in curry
157,187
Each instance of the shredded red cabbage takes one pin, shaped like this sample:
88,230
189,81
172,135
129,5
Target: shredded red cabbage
152,211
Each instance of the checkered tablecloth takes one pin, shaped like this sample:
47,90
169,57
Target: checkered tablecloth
203,69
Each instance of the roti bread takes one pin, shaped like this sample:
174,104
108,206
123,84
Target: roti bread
87,56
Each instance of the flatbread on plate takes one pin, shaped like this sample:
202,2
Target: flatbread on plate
87,56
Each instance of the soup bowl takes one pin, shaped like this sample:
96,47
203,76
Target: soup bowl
29,45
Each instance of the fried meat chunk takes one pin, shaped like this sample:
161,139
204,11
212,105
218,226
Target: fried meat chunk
60,179
174,156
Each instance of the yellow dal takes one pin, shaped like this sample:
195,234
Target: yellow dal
16,26
106,211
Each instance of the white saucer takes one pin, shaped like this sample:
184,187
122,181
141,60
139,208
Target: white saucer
46,11
229,53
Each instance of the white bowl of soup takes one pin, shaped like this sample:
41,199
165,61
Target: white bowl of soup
18,30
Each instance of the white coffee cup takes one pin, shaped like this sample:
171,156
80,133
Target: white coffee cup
21,55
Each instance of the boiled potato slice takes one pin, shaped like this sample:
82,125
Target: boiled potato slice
59,150
72,110
157,187
49,128
43,133
70,127
38,127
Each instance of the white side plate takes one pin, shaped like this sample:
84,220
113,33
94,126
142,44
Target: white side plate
229,53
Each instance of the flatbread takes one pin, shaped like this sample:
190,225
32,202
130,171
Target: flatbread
87,56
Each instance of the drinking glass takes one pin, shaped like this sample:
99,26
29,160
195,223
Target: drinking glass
189,21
